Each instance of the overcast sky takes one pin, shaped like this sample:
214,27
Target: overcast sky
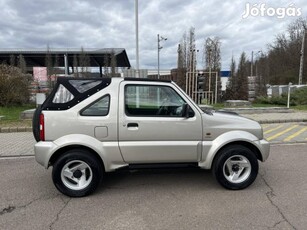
111,24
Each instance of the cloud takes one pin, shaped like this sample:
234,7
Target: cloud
109,23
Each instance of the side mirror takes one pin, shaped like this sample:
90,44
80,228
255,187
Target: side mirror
185,110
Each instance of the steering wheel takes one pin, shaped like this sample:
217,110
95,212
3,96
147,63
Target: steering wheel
163,109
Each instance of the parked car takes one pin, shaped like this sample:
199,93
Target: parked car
88,127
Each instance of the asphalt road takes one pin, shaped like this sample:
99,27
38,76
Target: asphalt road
153,199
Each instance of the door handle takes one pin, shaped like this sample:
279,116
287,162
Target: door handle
132,125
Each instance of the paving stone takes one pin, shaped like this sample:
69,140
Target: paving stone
5,130
16,144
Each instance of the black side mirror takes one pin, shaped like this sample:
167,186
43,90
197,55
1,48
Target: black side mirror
185,110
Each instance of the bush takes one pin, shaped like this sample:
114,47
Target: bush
13,86
297,97
271,101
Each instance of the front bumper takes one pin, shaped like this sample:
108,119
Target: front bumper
264,147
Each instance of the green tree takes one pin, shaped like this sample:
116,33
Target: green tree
231,87
242,81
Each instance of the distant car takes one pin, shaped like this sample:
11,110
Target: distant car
87,127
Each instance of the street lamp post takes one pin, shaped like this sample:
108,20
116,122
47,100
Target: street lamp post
300,77
210,50
159,39
137,37
252,61
289,91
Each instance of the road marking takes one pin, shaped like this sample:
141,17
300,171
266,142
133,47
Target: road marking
295,134
271,130
281,133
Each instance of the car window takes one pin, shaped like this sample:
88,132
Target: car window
62,95
98,108
84,85
151,100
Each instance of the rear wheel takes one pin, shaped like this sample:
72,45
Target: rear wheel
235,167
77,173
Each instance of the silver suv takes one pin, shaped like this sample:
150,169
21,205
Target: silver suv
87,127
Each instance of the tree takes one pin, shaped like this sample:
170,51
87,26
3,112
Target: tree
212,62
84,62
212,53
182,62
106,64
181,69
22,65
75,64
231,87
13,85
242,81
114,69
237,88
282,62
12,60
50,68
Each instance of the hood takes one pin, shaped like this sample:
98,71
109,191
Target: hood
221,121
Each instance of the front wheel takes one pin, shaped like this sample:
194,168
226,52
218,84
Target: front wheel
77,173
235,167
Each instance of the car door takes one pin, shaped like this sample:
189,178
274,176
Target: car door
151,126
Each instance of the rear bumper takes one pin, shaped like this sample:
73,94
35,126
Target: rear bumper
43,151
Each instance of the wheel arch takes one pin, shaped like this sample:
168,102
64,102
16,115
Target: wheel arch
211,151
248,145
64,149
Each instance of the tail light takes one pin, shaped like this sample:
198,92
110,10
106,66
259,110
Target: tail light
41,127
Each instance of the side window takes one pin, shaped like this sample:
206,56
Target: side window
98,108
62,95
151,100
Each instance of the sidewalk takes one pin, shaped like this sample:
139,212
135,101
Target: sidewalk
16,144
266,118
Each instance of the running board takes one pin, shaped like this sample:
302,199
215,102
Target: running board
163,165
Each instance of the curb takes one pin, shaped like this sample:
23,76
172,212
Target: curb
15,129
281,121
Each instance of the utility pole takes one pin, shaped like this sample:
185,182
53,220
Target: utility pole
137,38
66,65
159,39
300,77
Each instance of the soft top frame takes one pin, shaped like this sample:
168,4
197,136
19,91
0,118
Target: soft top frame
78,97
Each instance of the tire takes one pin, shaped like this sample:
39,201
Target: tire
35,123
77,173
235,167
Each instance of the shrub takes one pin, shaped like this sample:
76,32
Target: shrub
298,97
13,86
271,101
